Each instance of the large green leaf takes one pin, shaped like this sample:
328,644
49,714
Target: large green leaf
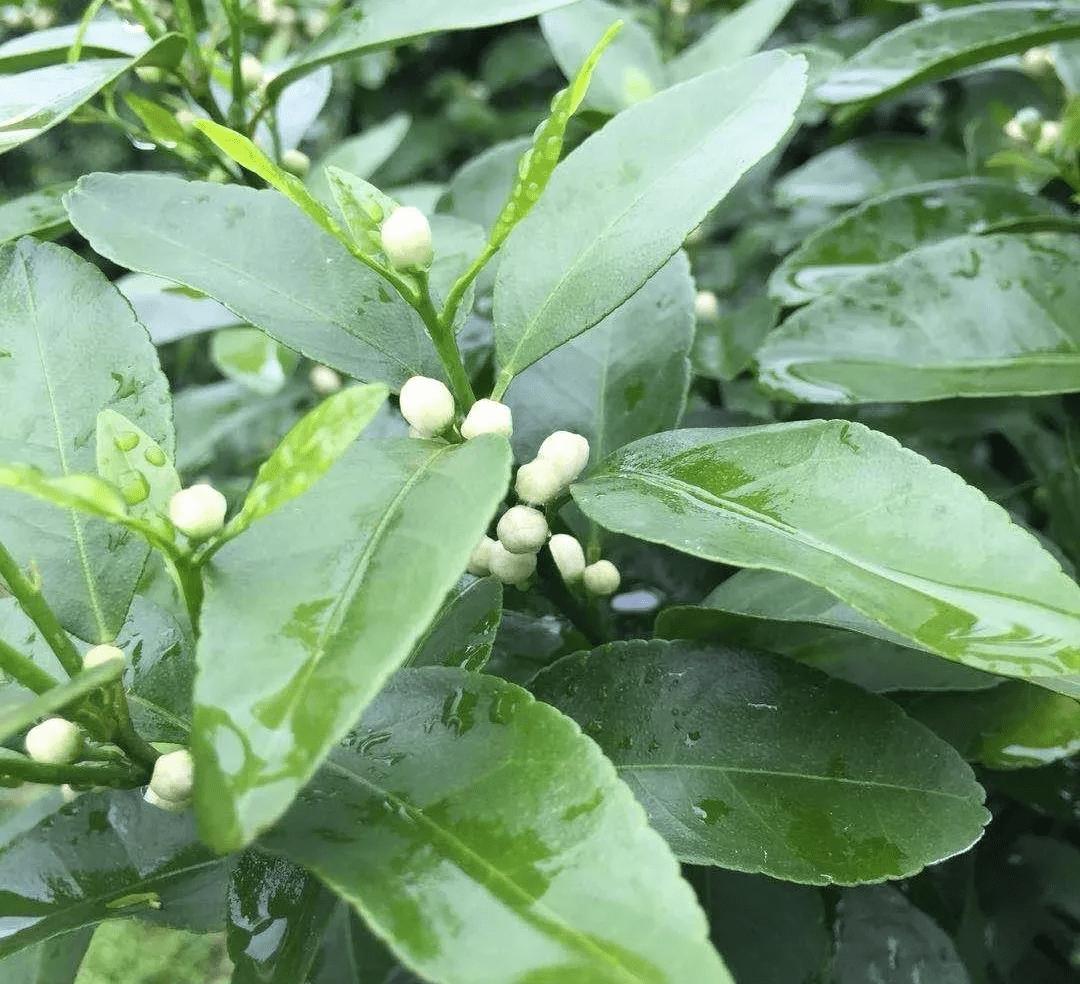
903,541
895,223
259,256
104,856
69,348
55,961
309,612
750,761
970,316
647,178
487,841
946,43
34,101
39,213
623,379
383,23
171,312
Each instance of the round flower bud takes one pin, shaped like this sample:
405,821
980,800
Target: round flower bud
296,162
1049,137
706,306
186,118
480,561
1038,61
522,529
538,482
1025,126
198,511
324,380
487,417
251,71
102,654
150,74
602,578
426,404
568,556
568,452
55,741
511,568
163,803
406,238
174,776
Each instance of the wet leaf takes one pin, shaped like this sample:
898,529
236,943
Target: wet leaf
55,961
136,464
463,631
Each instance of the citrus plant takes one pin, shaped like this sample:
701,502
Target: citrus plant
543,492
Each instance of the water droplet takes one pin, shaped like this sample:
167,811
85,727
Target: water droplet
134,487
126,441
155,456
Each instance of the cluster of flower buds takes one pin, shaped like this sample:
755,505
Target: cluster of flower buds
1038,61
1027,126
172,782
428,406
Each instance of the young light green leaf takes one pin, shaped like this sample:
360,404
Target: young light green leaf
39,213
971,316
360,565
18,719
252,358
901,540
71,348
363,208
497,799
938,47
648,177
131,460
463,632
159,122
735,769
360,155
480,187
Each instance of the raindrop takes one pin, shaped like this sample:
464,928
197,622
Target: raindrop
155,456
126,441
134,487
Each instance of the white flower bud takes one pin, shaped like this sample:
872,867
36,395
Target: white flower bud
55,741
102,654
1038,61
522,529
602,578
538,482
511,568
186,118
174,776
426,404
296,162
406,238
706,306
251,71
487,417
1025,126
198,511
568,556
568,452
480,561
1049,137
163,803
324,380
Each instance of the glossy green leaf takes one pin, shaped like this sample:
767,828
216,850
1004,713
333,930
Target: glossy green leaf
970,316
648,177
34,101
360,155
102,39
882,937
306,453
136,464
947,43
69,348
39,213
887,227
277,916
730,39
19,632
727,751
256,254
860,169
383,23
623,379
463,632
144,862
55,961
351,954
630,70
360,565
171,312
901,540
496,801
18,719
252,358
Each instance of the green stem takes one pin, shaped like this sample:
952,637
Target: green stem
126,737
37,609
504,380
75,52
442,334
118,776
25,670
237,117
187,25
457,292
147,19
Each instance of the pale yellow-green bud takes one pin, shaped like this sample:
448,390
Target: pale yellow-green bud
163,803
55,741
296,162
251,71
97,655
324,380
568,452
174,776
522,529
706,306
1049,137
511,568
406,238
426,404
602,578
538,482
568,556
487,417
480,561
198,511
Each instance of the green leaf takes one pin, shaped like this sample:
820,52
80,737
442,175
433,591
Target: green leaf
496,801
723,348
860,169
731,38
882,937
360,155
945,44
750,761
39,213
352,954
648,177
363,208
171,312
832,502
69,348
141,861
136,464
160,123
630,70
277,916
55,961
254,252
305,454
1013,726
308,614
479,189
103,39
970,316
18,719
463,631
384,23
252,359
34,101
885,228
623,379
